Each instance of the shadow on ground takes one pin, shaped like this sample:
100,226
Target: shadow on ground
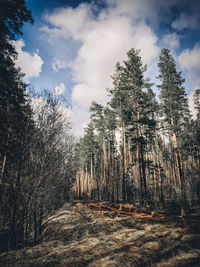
79,234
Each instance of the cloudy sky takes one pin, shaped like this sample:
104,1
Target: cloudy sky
73,46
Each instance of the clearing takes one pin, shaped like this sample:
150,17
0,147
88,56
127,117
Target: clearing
105,234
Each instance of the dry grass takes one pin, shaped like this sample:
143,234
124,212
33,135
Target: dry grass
84,235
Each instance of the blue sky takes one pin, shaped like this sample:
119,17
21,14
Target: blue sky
73,46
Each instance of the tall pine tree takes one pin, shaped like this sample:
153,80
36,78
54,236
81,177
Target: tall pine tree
174,104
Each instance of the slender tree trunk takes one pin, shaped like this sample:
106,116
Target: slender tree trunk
180,170
4,161
139,160
35,227
79,184
160,163
3,168
178,159
143,174
124,162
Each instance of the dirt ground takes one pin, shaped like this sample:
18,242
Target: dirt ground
102,234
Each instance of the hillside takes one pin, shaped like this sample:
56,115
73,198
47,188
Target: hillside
98,234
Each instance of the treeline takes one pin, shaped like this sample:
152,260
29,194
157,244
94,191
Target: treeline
36,146
139,150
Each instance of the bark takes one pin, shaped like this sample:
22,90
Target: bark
3,168
4,161
180,170
124,162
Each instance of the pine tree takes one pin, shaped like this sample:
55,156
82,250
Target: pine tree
98,119
119,98
132,100
174,104
89,156
13,14
196,125
16,123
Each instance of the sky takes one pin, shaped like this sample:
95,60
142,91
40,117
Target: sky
73,46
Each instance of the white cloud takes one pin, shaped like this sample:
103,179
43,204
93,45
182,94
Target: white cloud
58,64
189,60
133,8
80,119
60,89
71,22
186,21
31,64
171,40
104,39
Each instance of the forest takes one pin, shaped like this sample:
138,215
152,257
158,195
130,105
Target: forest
136,149
140,149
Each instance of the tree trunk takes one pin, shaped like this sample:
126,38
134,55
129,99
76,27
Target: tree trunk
124,162
3,168
184,204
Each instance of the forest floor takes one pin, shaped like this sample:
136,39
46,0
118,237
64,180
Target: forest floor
103,234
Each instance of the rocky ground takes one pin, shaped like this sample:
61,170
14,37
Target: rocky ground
86,234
